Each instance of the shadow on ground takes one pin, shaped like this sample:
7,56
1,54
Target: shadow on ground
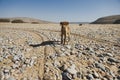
45,43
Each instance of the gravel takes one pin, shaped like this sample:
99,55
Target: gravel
83,59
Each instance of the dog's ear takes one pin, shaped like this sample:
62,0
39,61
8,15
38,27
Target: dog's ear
61,23
64,23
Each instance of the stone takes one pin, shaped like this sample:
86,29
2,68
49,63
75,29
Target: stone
68,46
99,65
90,77
16,57
15,66
1,59
113,60
2,75
118,67
11,78
23,66
31,62
12,70
5,55
84,53
73,52
95,74
77,46
109,77
28,49
58,74
100,55
62,49
63,67
56,63
72,69
118,71
91,49
24,78
109,54
27,61
65,76
62,54
87,48
118,77
67,53
104,79
6,71
55,39
79,55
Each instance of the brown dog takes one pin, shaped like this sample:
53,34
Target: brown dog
65,33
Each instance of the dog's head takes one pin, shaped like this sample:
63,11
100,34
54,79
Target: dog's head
64,23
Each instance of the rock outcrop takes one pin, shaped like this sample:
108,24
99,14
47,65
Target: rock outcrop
108,20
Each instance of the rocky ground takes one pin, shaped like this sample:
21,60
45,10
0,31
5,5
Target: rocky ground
34,52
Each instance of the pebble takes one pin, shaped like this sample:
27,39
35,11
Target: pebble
57,63
95,74
73,52
113,60
68,46
15,66
16,57
109,54
87,48
89,77
31,62
78,46
67,53
1,59
99,65
11,78
2,75
6,71
27,61
72,69
92,50
65,76
118,77
62,49
118,71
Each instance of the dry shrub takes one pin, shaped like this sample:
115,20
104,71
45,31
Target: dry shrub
17,21
4,20
35,22
80,24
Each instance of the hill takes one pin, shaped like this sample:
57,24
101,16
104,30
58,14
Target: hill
24,20
108,20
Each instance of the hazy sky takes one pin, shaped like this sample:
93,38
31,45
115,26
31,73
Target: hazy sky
60,10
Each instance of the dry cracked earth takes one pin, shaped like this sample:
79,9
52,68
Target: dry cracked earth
34,52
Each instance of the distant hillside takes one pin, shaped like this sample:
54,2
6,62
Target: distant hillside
24,20
108,20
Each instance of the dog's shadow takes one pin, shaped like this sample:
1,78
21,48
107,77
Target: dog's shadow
45,43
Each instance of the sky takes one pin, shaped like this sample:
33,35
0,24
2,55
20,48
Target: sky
60,10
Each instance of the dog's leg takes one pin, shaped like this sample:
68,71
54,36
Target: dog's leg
61,38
